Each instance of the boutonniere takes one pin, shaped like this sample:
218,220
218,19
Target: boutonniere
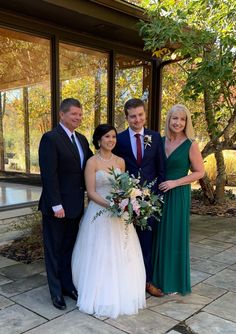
147,139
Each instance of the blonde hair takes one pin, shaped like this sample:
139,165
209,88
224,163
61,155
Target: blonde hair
188,130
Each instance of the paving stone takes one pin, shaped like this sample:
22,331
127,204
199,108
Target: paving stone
219,245
207,290
198,276
233,267
5,262
205,323
75,322
5,302
196,237
39,301
201,251
207,232
227,257
224,307
22,285
225,236
226,279
146,321
221,223
207,266
16,319
154,301
8,237
181,307
4,280
201,221
205,227
210,301
22,270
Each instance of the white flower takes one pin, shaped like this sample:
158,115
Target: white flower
135,192
111,203
123,203
146,192
136,207
147,140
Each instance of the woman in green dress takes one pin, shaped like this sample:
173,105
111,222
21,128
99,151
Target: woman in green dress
171,253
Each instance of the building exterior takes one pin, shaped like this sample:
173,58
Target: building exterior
53,49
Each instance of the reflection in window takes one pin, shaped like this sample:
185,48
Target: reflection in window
83,75
133,77
25,110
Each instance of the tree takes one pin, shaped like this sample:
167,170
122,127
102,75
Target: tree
202,33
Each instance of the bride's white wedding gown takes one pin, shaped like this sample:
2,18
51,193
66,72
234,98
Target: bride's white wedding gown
107,263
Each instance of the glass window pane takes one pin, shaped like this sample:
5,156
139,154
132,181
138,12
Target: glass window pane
25,107
83,75
133,79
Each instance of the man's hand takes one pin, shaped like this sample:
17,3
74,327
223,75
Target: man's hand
59,214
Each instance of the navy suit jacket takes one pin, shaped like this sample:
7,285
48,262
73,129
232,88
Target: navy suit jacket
153,162
61,173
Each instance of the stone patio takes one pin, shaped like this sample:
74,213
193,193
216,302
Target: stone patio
25,305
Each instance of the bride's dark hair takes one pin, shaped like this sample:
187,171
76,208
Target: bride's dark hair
100,131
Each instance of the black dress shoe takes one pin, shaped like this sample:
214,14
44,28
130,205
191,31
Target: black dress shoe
72,294
59,302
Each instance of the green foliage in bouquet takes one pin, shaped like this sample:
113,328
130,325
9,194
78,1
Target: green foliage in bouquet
131,201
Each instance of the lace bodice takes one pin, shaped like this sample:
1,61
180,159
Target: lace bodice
103,183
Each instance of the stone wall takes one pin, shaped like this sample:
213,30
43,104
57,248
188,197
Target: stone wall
17,223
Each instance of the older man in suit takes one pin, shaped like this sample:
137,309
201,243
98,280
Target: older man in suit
63,153
143,153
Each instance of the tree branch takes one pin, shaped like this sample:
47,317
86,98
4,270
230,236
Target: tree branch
214,145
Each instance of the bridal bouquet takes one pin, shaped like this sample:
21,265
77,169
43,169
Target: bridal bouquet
131,201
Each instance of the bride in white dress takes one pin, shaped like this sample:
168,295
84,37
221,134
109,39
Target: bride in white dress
107,264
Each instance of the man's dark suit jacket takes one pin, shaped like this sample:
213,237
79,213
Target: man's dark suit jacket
61,173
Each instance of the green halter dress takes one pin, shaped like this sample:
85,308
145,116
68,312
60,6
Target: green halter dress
171,260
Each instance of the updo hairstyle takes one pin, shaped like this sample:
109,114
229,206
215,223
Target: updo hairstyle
100,131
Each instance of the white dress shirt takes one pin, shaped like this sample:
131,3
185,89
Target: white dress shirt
133,141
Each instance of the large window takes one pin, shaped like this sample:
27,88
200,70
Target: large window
25,108
133,77
25,92
83,75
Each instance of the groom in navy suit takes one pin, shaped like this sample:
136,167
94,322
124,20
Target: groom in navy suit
142,151
63,153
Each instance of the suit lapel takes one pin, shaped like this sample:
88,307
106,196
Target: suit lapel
68,143
127,141
80,138
146,150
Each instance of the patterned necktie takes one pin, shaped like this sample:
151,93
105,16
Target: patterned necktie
139,149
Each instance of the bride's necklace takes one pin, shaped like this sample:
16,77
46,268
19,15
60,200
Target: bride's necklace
104,160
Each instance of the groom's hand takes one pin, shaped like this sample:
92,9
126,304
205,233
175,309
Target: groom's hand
59,214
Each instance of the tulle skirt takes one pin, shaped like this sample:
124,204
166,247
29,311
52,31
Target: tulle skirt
107,266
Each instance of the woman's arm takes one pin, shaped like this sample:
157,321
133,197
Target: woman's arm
197,168
121,163
90,181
